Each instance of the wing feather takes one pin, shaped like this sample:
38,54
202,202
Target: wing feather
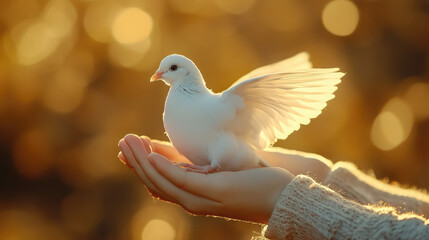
297,62
274,103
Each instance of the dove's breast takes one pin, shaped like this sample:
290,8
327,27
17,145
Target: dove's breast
190,124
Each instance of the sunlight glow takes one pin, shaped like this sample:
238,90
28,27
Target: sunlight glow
36,43
387,131
131,26
39,38
340,17
158,229
393,125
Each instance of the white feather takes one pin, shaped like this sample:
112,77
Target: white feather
297,62
276,104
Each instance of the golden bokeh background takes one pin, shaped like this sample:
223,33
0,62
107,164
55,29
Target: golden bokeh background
74,79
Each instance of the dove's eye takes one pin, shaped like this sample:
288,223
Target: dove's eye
173,67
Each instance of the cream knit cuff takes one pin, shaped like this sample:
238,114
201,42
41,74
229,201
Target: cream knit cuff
353,184
308,210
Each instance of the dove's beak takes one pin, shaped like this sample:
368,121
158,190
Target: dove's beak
156,76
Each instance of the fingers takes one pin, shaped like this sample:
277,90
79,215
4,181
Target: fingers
128,154
121,156
123,159
161,185
190,202
209,186
147,144
135,151
167,150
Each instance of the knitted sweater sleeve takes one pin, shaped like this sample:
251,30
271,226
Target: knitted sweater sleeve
308,210
347,180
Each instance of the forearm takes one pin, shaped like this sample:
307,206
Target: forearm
347,180
308,210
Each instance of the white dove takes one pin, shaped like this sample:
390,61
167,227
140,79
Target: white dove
222,131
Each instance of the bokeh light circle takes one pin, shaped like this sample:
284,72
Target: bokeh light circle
131,26
158,229
393,125
340,17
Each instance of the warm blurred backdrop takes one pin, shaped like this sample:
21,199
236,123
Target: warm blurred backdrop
74,79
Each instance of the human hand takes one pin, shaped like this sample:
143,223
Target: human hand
246,195
162,147
296,162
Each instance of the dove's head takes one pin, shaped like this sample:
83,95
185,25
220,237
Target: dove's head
176,68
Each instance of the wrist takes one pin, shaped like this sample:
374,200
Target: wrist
272,199
322,171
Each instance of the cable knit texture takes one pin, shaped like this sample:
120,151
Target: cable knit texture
353,184
308,210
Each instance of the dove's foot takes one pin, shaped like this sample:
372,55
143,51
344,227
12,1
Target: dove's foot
199,169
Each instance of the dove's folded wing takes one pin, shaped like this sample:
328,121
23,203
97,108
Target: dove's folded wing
271,107
298,62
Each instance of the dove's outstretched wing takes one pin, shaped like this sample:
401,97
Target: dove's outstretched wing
270,107
298,62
